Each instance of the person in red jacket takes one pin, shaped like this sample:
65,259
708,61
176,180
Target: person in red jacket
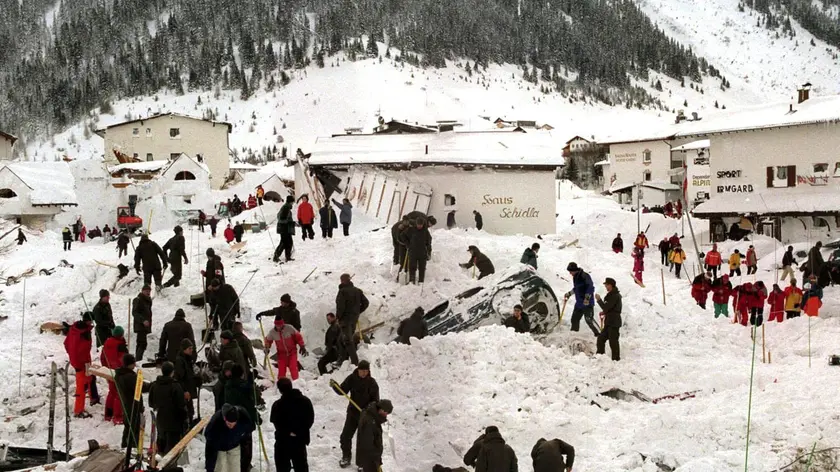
638,264
742,302
78,344
700,288
252,201
112,354
757,304
306,217
674,240
287,339
713,261
721,291
679,209
618,244
229,236
776,300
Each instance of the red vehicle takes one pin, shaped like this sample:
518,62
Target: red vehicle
126,219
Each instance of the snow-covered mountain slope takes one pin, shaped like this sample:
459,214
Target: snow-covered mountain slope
345,94
761,65
447,389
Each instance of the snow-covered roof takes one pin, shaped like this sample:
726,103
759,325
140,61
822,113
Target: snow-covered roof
188,160
701,144
775,115
148,166
52,183
454,148
805,199
244,166
8,137
102,131
661,185
618,187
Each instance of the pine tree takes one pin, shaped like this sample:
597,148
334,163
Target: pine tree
658,85
245,91
571,170
371,49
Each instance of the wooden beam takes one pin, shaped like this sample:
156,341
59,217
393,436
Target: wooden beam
176,451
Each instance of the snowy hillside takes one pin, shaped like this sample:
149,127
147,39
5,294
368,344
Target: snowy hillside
761,65
345,94
447,389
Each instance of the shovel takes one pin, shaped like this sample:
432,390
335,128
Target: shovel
391,443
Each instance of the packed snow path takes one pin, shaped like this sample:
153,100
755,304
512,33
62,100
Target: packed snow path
447,389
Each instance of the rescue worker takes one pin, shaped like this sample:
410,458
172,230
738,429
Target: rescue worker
583,289
480,262
369,444
363,391
176,250
288,340
153,258
611,311
412,327
141,312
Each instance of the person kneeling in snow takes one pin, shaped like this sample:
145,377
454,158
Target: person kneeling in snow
490,453
548,456
611,311
287,339
413,327
518,321
480,262
700,288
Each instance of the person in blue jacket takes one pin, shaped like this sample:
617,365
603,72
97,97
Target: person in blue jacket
224,434
345,214
584,292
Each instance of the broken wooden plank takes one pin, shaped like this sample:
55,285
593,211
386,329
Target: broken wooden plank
182,444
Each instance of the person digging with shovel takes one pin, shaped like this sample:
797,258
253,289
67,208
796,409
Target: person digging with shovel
361,390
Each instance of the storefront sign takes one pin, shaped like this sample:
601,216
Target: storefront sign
746,188
812,180
625,157
509,211
729,174
701,180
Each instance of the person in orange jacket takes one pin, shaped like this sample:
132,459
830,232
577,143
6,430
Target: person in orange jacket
306,217
776,300
287,339
793,300
641,241
260,194
812,299
713,261
111,357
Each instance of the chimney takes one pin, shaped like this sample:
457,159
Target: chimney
804,92
680,116
694,116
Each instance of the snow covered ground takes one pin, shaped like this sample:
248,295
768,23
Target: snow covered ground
447,389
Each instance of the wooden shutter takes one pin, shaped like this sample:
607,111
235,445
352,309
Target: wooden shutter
770,177
791,176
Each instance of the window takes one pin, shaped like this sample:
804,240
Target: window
820,168
647,176
149,156
135,132
184,175
173,156
448,200
7,193
820,222
781,176
837,169
174,133
148,132
646,156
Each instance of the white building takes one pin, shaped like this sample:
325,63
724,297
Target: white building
31,193
507,177
167,136
7,142
774,164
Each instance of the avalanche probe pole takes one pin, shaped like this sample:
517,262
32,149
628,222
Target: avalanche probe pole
22,326
266,362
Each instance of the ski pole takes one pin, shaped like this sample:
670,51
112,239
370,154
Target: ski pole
338,389
266,361
224,319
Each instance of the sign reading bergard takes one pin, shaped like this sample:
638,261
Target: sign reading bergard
745,188
508,211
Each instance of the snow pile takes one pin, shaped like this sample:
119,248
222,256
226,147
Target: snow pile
52,182
448,388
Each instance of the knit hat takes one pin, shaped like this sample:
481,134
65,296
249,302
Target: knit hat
146,288
167,368
103,293
179,313
87,316
290,199
226,334
385,405
472,248
572,267
231,413
286,298
117,332
185,343
491,429
128,360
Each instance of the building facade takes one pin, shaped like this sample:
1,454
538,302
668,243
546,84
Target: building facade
7,142
167,136
32,193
